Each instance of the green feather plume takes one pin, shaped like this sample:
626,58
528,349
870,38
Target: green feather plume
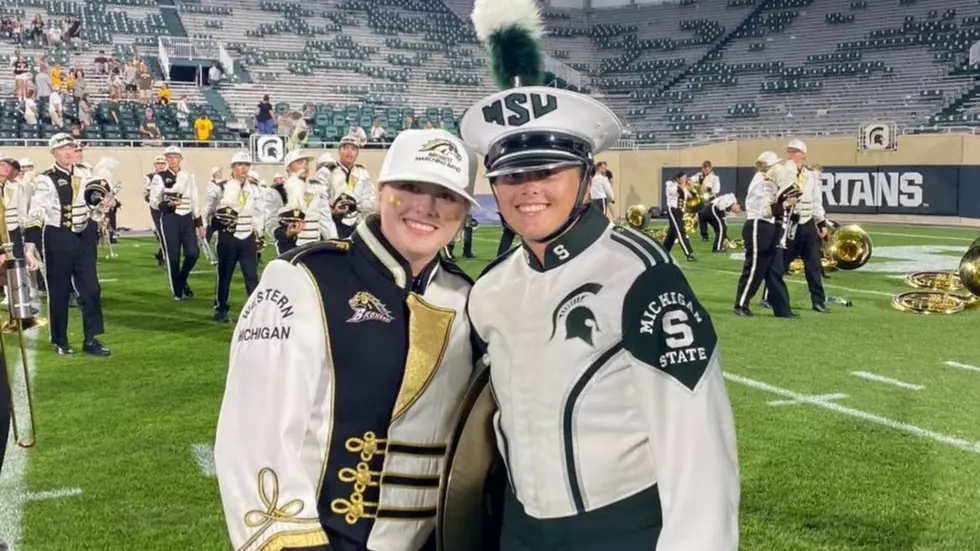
515,52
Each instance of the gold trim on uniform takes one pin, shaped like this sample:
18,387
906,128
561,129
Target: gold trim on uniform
291,540
268,483
428,336
76,182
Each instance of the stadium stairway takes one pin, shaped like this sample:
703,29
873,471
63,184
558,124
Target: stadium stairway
168,9
215,99
714,52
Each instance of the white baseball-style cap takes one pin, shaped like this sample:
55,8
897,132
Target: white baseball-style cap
26,162
768,157
253,174
797,145
173,150
432,156
159,159
326,159
294,156
240,158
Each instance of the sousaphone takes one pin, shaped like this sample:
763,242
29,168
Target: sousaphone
942,292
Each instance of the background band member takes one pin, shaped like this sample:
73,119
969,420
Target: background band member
32,222
239,217
601,190
765,208
319,415
10,187
583,312
719,208
807,226
353,191
159,165
275,200
70,248
175,192
306,215
678,190
708,185
212,197
468,225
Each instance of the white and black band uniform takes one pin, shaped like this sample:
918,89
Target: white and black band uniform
601,193
212,199
154,216
676,194
709,184
808,217
11,190
761,234
70,249
178,228
237,244
717,211
32,224
320,393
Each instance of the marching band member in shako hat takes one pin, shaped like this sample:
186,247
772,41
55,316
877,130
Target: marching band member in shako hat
305,215
174,191
239,217
346,370
70,247
352,194
159,165
592,333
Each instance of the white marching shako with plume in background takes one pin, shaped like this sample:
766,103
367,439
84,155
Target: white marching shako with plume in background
593,337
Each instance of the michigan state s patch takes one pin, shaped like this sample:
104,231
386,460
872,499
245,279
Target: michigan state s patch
666,328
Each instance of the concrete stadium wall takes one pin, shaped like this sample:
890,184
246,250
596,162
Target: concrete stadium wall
944,168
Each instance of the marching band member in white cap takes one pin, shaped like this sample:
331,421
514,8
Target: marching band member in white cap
70,247
346,429
613,420
765,209
175,194
239,219
325,164
212,199
716,213
305,214
159,166
353,194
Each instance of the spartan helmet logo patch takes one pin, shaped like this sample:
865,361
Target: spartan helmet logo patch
440,145
579,321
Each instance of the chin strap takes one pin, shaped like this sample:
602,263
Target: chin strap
578,210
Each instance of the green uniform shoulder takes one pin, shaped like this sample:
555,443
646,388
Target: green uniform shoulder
640,245
329,246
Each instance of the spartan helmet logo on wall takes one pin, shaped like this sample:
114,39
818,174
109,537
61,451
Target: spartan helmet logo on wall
580,321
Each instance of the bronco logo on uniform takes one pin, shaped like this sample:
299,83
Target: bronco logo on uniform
367,307
441,145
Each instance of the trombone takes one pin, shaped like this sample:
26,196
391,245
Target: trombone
22,316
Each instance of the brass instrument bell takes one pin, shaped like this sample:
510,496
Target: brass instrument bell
637,217
936,291
850,247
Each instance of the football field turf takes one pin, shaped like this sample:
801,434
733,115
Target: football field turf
857,430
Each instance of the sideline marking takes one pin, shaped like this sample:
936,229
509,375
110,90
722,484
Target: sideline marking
960,443
958,365
887,380
204,457
52,494
920,236
818,397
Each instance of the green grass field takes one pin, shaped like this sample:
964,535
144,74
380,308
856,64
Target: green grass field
883,467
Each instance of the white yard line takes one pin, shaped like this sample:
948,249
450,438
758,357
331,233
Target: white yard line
960,443
921,236
887,380
52,494
819,397
958,365
204,457
13,479
110,280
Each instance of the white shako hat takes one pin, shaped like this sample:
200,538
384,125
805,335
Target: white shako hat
529,127
433,156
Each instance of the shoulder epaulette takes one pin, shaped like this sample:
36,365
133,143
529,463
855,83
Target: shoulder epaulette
454,269
327,246
496,261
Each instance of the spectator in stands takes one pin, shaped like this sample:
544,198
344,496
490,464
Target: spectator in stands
299,134
428,125
37,29
183,112
163,94
149,129
102,63
43,83
309,115
76,130
84,106
55,73
145,84
112,110
357,133
30,108
410,122
285,122
130,74
264,121
54,34
202,128
18,32
378,134
73,31
22,75
214,76
79,85
56,110
116,83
